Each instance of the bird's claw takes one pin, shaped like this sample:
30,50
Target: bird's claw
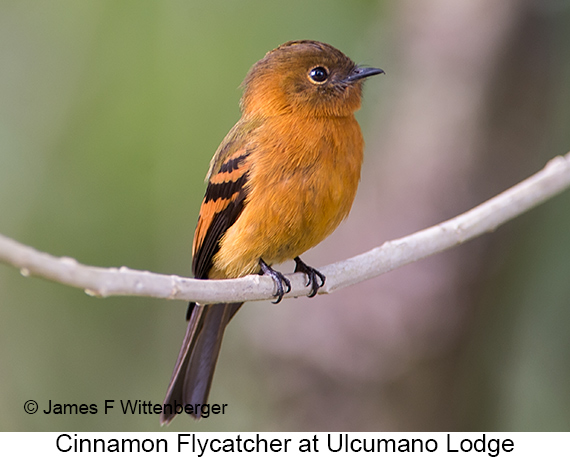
282,284
314,276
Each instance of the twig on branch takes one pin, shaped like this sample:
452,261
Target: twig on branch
105,282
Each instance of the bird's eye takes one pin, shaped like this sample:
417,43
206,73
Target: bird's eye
318,75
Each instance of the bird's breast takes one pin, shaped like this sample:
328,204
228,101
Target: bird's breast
302,181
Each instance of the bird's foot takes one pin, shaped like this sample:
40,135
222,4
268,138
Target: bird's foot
282,284
315,278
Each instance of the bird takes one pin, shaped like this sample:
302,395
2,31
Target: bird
281,181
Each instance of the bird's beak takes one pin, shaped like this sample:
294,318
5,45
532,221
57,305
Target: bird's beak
362,72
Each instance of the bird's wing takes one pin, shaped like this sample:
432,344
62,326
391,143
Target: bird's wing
224,200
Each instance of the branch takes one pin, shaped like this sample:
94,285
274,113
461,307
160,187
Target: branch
105,282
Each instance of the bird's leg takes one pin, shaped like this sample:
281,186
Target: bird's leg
278,279
314,277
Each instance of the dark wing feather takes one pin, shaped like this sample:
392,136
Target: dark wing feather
222,205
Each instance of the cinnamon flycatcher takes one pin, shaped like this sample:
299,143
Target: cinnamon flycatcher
281,181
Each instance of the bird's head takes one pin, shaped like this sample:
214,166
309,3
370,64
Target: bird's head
308,78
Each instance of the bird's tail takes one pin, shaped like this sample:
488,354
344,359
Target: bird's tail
194,369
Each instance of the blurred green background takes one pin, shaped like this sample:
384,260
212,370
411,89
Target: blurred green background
109,114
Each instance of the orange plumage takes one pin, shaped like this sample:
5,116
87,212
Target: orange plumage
281,181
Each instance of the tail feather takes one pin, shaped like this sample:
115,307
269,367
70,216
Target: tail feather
194,369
